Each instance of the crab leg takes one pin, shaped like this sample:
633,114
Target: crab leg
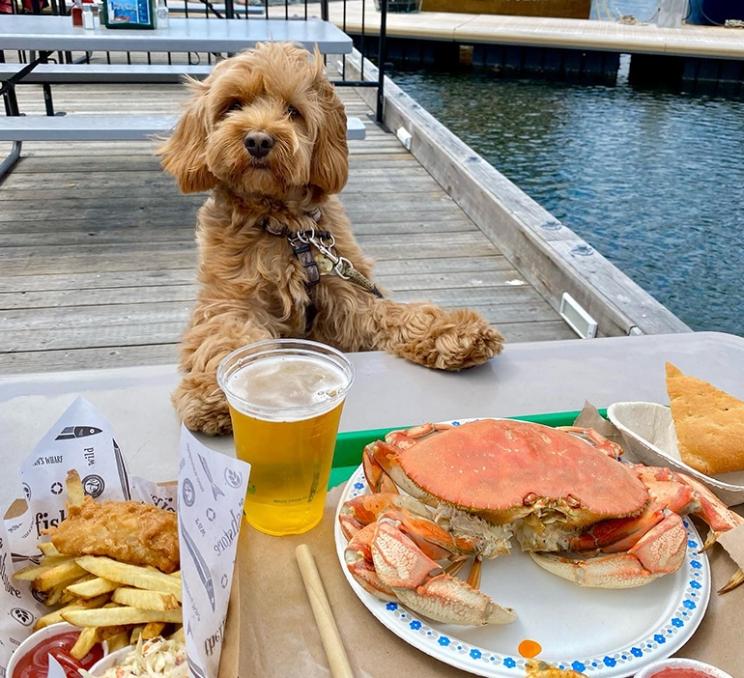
596,439
719,518
379,459
475,573
421,584
363,510
658,552
618,534
669,491
358,557
431,538
698,500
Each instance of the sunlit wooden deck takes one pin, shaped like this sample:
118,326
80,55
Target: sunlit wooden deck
97,253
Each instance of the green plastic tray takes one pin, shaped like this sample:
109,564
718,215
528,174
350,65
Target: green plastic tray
348,453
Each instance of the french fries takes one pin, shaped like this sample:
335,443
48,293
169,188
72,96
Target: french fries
152,630
145,600
110,600
113,616
48,549
92,587
56,616
86,640
136,633
117,641
62,574
30,572
133,575
75,491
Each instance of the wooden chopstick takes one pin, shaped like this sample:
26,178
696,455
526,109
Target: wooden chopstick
338,661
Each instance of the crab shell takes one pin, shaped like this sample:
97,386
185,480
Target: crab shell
504,470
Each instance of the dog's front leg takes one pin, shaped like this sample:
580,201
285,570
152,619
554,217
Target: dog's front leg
198,399
422,333
445,339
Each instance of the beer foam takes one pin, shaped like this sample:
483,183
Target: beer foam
288,383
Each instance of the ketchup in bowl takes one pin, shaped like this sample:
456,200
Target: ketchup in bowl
681,672
35,663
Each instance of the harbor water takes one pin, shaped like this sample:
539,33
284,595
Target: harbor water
654,180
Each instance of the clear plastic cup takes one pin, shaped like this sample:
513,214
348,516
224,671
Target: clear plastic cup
285,398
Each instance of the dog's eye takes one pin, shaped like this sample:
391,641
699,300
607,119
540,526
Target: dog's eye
293,113
233,106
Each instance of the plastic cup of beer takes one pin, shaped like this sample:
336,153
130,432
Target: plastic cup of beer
285,398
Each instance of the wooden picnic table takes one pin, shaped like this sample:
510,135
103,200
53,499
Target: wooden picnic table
181,35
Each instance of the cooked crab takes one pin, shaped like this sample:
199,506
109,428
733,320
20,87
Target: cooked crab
468,490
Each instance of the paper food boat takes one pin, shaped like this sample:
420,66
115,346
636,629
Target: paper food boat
648,433
209,493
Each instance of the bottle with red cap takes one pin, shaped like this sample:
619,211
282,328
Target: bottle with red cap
76,13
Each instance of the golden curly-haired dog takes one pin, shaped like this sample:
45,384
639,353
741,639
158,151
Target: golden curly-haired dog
267,134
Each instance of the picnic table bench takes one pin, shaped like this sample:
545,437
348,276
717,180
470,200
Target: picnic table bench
114,127
49,34
75,74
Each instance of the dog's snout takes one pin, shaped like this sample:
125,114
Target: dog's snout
258,144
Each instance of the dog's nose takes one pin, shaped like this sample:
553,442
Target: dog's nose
258,144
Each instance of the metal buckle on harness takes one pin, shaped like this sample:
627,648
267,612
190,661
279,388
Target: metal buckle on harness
341,268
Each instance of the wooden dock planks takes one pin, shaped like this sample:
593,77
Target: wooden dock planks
97,254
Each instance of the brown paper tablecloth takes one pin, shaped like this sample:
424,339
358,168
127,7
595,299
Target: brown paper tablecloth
278,636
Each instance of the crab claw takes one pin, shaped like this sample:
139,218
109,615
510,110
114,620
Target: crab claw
420,583
660,551
453,601
358,557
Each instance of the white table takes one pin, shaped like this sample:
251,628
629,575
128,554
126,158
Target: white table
526,379
182,35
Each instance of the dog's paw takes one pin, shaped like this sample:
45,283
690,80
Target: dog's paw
201,405
456,340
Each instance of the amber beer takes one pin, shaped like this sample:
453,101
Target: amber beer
285,398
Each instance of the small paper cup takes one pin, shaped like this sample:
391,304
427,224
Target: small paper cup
36,637
648,433
110,660
706,669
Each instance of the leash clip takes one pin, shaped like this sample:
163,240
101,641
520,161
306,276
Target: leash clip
343,267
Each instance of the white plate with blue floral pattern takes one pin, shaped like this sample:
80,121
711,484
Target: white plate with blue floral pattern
599,632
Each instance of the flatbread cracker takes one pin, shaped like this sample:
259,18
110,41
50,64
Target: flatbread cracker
709,423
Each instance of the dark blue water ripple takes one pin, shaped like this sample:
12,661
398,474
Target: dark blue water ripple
654,180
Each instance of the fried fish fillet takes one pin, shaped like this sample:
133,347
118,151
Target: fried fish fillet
128,531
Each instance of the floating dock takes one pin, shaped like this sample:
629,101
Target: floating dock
463,29
693,57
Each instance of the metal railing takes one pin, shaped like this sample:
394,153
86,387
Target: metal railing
244,10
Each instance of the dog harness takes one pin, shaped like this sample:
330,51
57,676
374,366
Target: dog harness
324,261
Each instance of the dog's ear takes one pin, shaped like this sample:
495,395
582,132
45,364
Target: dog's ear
183,154
329,168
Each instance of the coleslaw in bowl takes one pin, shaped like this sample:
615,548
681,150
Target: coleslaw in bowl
148,659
